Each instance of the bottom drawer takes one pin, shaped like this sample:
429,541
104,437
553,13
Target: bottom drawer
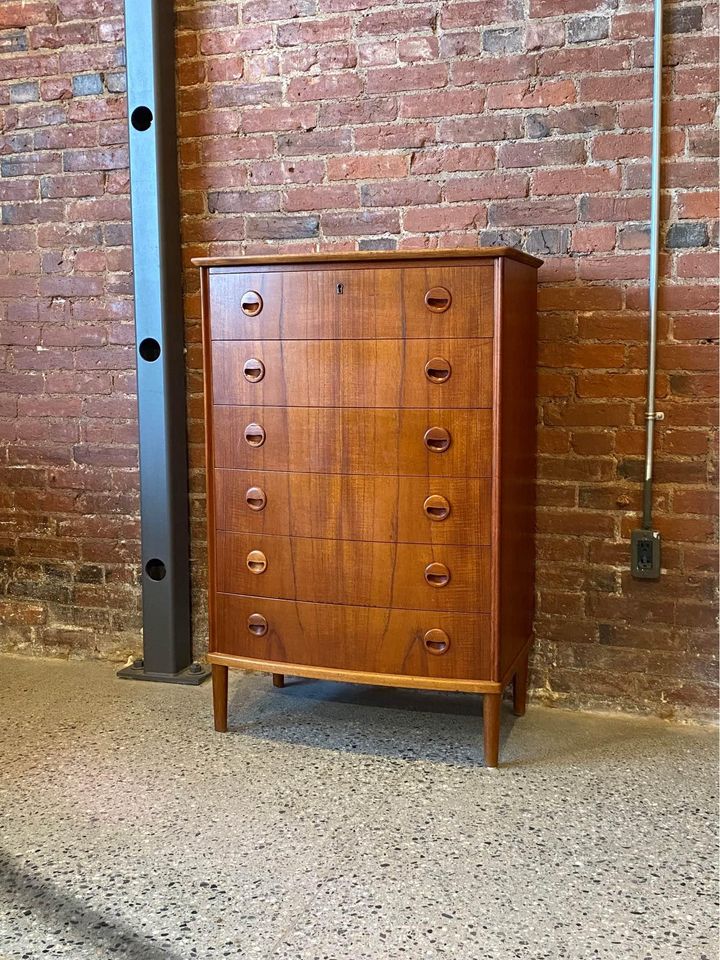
417,643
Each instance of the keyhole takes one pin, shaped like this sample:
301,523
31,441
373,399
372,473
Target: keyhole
340,288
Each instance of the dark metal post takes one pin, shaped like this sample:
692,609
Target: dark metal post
150,45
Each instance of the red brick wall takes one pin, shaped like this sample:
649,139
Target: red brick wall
338,124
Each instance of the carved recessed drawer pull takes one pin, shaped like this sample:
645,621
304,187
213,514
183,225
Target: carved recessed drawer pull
254,370
438,299
251,303
258,625
438,370
436,507
255,498
437,439
436,642
254,435
256,561
437,575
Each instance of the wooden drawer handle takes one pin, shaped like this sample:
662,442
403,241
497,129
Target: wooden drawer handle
255,498
436,507
251,303
436,642
258,625
254,435
256,561
438,370
437,575
253,370
437,439
438,299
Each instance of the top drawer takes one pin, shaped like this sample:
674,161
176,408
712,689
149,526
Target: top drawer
390,303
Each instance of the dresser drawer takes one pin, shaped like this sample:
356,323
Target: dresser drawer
351,303
355,638
353,373
354,440
337,506
405,575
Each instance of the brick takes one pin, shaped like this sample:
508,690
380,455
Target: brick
587,29
524,94
682,20
371,166
282,228
530,212
485,187
542,154
480,13
392,79
328,86
262,10
687,234
504,40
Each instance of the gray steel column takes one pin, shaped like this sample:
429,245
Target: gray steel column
150,45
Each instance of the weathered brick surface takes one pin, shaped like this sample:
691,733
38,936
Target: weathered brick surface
362,124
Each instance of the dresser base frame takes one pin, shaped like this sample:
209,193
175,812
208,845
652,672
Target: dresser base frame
491,690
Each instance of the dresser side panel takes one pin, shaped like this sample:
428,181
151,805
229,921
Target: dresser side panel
516,423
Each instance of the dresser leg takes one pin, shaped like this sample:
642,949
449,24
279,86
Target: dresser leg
520,682
220,696
278,680
491,727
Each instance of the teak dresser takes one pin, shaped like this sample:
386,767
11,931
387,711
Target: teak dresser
370,430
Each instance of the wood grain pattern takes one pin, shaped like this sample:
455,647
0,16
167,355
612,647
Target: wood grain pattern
514,457
353,373
375,304
354,441
355,572
343,507
364,258
355,637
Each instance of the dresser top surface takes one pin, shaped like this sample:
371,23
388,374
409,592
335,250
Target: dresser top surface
373,256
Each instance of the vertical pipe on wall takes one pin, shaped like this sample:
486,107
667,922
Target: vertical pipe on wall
164,509
651,415
645,543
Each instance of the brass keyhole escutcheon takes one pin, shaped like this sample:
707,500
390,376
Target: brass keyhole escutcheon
255,498
257,624
438,370
438,299
253,370
256,561
437,574
254,435
251,303
436,507
436,642
437,439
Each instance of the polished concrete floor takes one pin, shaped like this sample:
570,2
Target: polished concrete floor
343,823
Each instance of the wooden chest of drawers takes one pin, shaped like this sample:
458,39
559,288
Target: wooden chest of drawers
370,433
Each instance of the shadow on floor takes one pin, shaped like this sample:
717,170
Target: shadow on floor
42,899
422,725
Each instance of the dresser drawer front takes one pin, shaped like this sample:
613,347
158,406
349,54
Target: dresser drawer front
353,373
354,572
351,303
336,506
353,440
356,638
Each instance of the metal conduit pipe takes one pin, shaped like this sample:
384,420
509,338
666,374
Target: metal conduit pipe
645,542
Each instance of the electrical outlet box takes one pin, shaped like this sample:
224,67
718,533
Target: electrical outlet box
645,554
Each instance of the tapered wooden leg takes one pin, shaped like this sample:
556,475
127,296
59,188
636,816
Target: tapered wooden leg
491,727
220,696
278,680
520,682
